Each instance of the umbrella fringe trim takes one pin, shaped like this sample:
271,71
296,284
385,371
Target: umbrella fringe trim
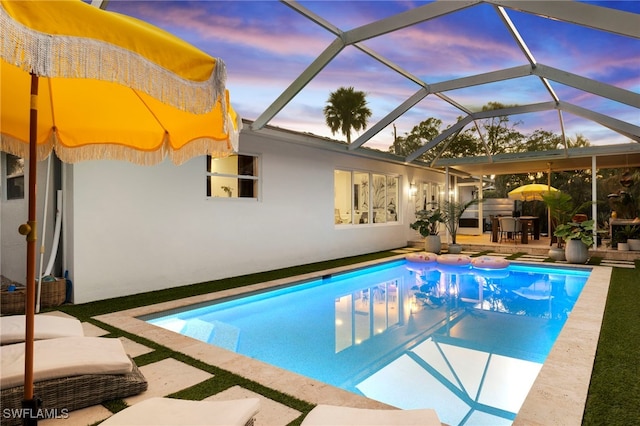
216,149
76,57
197,147
19,148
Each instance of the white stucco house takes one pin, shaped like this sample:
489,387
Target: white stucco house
129,229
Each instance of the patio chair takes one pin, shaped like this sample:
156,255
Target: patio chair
509,228
169,412
330,415
12,328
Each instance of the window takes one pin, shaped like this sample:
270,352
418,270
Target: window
15,177
429,196
235,176
361,197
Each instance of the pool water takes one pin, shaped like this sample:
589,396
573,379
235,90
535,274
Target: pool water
467,342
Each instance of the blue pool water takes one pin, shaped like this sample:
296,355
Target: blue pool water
467,342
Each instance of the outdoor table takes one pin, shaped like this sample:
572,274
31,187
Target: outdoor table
495,225
526,222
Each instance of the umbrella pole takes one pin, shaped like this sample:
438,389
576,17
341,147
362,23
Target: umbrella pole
30,403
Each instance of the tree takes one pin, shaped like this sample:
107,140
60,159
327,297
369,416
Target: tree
499,134
423,132
541,140
347,110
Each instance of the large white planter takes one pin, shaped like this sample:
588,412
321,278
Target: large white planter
576,251
634,244
433,244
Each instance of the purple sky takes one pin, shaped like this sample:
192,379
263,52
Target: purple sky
267,45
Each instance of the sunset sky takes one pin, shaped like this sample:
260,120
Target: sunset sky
266,45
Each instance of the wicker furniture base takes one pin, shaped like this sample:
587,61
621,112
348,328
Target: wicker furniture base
66,394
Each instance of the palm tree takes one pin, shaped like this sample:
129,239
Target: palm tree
347,109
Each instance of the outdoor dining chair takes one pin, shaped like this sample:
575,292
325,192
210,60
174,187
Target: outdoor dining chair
509,228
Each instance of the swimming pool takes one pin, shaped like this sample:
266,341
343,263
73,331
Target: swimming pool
408,336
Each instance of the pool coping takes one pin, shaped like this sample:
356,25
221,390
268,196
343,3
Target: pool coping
558,395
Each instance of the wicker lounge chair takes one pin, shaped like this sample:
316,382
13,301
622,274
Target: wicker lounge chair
332,415
63,387
12,328
168,412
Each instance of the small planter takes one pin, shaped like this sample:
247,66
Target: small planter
455,248
634,244
556,253
623,246
576,251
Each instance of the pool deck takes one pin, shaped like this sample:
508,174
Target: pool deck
557,397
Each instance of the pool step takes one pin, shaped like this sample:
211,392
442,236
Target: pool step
215,332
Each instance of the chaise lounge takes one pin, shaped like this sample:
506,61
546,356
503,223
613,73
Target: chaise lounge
333,415
169,412
12,328
69,373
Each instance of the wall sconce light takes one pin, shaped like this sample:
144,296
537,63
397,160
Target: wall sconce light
412,189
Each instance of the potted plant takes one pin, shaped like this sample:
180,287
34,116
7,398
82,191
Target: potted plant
451,213
624,235
561,210
426,224
578,237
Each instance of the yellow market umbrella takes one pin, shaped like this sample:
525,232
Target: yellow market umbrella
91,84
531,192
110,86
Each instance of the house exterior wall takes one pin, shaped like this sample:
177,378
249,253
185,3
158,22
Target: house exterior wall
137,228
13,213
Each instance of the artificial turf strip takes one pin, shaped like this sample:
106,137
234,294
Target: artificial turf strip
614,392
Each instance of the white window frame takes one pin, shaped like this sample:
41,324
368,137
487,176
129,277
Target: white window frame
369,213
257,178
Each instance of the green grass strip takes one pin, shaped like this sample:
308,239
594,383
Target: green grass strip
614,392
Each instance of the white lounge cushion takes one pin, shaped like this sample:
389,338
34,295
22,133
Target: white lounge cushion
64,357
12,328
332,415
169,412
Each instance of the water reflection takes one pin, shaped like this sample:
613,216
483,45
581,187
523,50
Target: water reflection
477,360
365,313
529,294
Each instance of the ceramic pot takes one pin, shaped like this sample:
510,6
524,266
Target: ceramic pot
556,253
634,244
455,248
623,246
433,244
576,251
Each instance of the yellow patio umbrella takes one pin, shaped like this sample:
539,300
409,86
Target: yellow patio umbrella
92,84
531,192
